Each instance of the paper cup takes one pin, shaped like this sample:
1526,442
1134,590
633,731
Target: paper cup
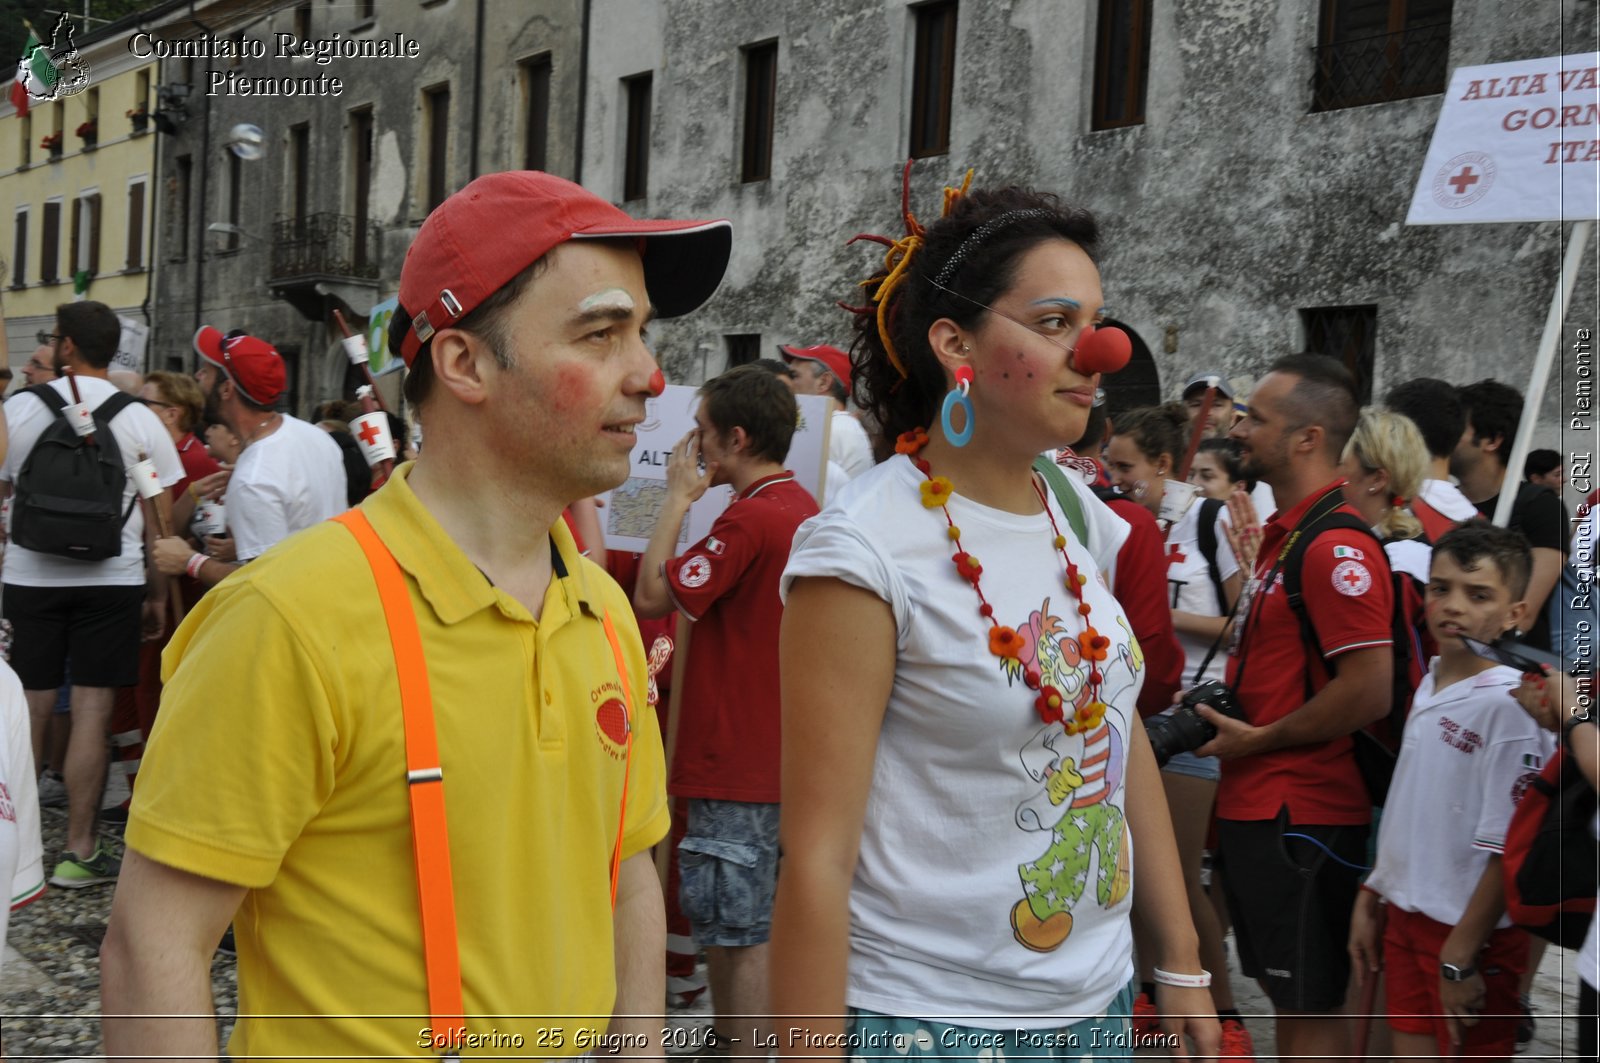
210,519
79,417
372,436
145,480
355,349
1176,497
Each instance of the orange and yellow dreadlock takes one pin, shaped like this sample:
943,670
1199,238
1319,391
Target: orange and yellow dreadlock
897,261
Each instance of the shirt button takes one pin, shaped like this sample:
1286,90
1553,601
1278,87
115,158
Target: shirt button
547,697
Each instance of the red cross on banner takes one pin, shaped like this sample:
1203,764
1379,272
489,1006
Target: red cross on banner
1463,180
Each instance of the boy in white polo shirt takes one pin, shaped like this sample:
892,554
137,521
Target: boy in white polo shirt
1452,957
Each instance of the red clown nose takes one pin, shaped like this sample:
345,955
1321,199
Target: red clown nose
1102,350
658,382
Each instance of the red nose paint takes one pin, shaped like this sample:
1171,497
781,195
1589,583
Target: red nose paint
658,382
1103,350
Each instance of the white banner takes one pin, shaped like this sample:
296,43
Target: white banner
1515,142
130,348
630,512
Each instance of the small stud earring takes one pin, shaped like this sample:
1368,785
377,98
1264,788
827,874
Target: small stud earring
965,349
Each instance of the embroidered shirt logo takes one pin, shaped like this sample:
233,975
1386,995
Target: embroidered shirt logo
1348,552
1351,578
715,545
611,723
695,572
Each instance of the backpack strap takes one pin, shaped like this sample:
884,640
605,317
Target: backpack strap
1209,508
1291,579
1071,505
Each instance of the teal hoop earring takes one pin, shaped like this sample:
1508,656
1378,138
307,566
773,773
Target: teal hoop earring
957,396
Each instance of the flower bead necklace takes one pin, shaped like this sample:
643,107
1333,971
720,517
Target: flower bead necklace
1005,642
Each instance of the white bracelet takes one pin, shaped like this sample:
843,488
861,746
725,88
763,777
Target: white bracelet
1183,981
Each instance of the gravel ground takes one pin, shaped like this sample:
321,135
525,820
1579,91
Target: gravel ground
53,1010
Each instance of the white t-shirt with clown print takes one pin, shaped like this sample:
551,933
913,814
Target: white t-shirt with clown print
996,864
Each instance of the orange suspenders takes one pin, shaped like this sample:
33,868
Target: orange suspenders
425,783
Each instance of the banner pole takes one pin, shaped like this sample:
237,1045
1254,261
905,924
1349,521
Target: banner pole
1534,396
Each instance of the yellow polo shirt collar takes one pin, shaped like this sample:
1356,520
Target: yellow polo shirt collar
452,585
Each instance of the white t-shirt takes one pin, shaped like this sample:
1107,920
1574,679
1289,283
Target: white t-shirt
1189,586
848,444
1266,505
1466,756
284,482
1447,498
137,430
1411,556
21,849
984,824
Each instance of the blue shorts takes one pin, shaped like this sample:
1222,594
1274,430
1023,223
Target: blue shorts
873,1036
728,866
1208,768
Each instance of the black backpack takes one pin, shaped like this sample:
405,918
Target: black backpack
69,493
1377,746
1209,508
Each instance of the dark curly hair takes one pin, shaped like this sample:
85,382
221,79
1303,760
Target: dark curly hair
986,270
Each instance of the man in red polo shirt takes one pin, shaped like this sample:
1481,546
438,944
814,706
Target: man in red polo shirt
726,759
1292,810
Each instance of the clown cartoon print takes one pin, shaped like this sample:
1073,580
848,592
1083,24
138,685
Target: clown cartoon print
1079,763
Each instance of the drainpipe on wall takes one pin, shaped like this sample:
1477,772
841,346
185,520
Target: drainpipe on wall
477,90
583,92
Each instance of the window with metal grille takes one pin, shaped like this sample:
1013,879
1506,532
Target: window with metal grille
536,111
743,347
1375,51
933,78
636,153
50,243
1349,334
760,104
19,252
437,108
1121,63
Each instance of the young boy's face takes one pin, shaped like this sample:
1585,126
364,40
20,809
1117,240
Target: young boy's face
1472,601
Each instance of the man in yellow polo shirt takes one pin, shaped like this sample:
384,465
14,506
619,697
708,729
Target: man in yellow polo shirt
287,789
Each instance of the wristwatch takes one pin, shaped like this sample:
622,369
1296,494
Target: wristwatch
1571,724
1451,973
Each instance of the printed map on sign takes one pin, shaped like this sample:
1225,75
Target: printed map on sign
630,511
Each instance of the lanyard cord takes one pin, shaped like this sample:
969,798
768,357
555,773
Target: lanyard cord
425,783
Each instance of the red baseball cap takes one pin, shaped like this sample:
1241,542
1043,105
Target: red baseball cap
254,366
833,359
494,228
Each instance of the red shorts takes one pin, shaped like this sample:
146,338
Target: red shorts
1411,946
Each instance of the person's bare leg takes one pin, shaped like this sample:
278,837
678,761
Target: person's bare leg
86,764
1189,800
1304,1036
60,733
738,977
41,706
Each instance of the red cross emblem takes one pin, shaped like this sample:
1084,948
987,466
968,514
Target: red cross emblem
1175,555
1351,578
1463,180
369,434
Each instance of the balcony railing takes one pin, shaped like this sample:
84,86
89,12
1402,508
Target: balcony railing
324,245
1389,66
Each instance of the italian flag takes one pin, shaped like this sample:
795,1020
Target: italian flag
35,62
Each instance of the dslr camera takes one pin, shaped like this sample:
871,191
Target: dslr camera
1185,730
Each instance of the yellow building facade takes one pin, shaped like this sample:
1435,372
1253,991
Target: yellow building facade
77,195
